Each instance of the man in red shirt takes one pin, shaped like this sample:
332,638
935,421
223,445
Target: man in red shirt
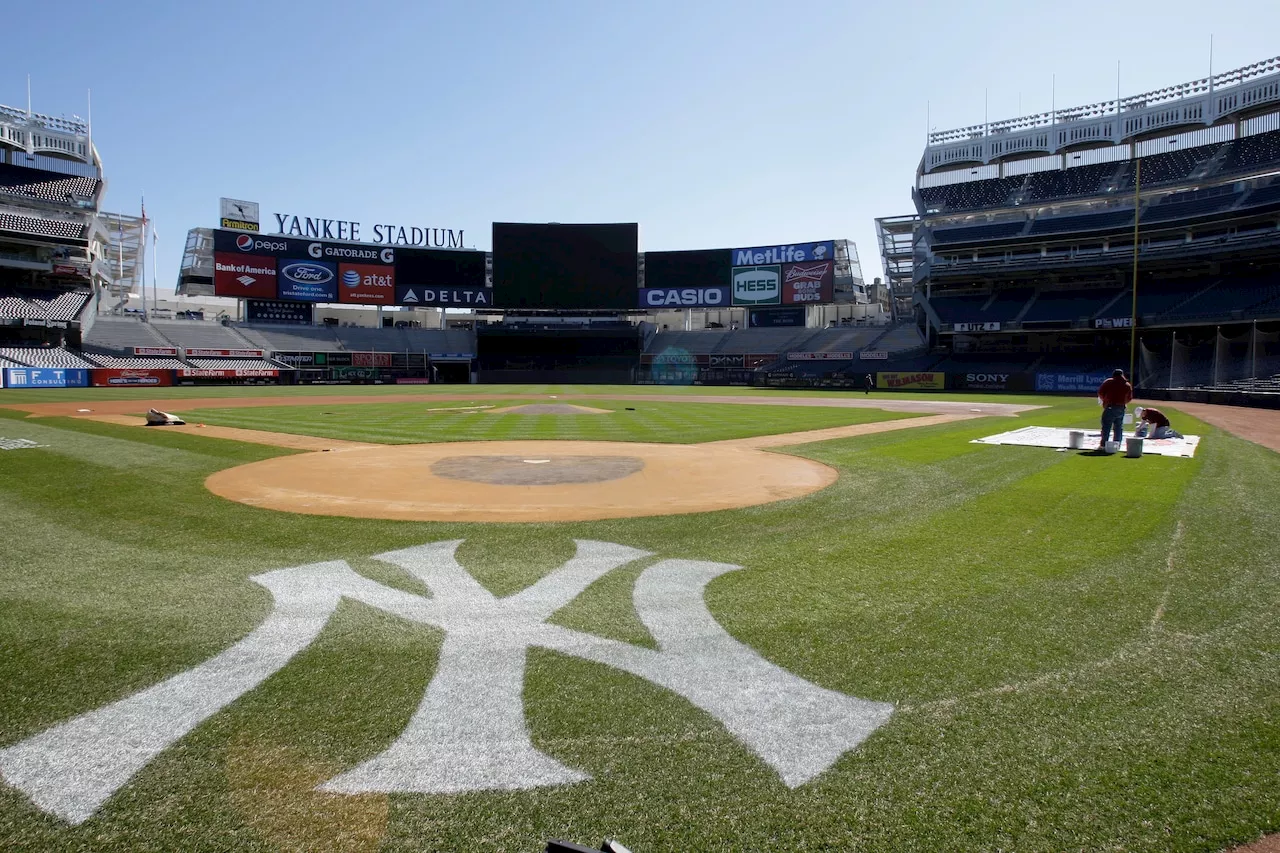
1156,423
1115,394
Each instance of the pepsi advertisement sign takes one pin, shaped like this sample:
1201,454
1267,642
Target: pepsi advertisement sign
308,280
785,253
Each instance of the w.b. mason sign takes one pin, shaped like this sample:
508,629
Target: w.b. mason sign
469,731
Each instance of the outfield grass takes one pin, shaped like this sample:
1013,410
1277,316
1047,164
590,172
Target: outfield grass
1082,650
417,423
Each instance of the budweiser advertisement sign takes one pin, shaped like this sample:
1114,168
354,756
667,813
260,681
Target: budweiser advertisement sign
808,283
105,377
161,351
225,353
209,373
819,356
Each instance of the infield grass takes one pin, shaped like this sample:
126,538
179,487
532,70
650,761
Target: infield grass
1082,650
415,423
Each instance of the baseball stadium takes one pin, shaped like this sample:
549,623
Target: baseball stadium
400,545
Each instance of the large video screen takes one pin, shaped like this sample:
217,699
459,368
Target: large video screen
565,266
685,279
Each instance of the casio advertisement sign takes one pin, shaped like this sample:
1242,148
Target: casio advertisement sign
761,285
786,253
684,297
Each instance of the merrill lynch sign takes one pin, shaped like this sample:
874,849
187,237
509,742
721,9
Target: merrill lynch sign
349,230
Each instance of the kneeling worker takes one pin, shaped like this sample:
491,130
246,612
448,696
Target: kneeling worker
1155,424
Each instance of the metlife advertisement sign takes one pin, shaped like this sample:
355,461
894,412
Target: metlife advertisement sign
785,253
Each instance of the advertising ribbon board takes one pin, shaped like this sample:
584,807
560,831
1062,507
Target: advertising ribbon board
171,352
45,377
116,378
211,373
900,381
819,356
225,353
1074,382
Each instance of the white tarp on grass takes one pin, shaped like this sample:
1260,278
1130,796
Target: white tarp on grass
1060,437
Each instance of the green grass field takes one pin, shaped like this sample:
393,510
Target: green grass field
1081,650
415,423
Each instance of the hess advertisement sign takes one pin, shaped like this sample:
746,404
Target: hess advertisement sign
761,285
365,284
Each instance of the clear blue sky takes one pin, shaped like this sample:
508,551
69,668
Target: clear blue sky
710,122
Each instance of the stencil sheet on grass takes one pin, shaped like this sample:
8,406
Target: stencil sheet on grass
1059,437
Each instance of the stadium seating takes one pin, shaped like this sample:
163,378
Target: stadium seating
44,357
747,341
1249,152
971,195
146,362
45,186
291,338
1194,207
120,335
235,364
41,304
1067,183
1063,305
693,342
842,340
201,335
42,227
1226,297
1105,220
979,233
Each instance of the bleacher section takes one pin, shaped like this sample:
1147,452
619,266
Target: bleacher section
1225,297
147,362
119,336
39,226
291,338
43,357
202,335
236,364
1087,222
701,342
979,233
45,186
1064,305
50,306
1245,154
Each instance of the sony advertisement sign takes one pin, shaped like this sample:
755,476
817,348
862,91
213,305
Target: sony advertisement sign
317,228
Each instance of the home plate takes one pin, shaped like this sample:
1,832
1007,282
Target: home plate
1060,438
537,461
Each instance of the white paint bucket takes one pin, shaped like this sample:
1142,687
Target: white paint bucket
1112,447
1075,439
1133,447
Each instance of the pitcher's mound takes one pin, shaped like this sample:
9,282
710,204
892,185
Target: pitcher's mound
549,409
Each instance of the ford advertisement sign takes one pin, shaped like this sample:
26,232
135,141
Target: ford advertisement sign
757,285
308,281
684,297
786,253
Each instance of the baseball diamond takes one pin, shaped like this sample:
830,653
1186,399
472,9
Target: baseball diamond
548,456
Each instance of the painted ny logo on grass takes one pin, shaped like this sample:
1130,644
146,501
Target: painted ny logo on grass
469,732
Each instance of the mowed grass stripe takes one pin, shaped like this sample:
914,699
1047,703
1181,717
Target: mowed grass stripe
413,423
1004,596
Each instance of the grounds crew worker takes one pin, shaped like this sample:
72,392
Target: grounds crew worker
868,383
1115,394
1156,423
